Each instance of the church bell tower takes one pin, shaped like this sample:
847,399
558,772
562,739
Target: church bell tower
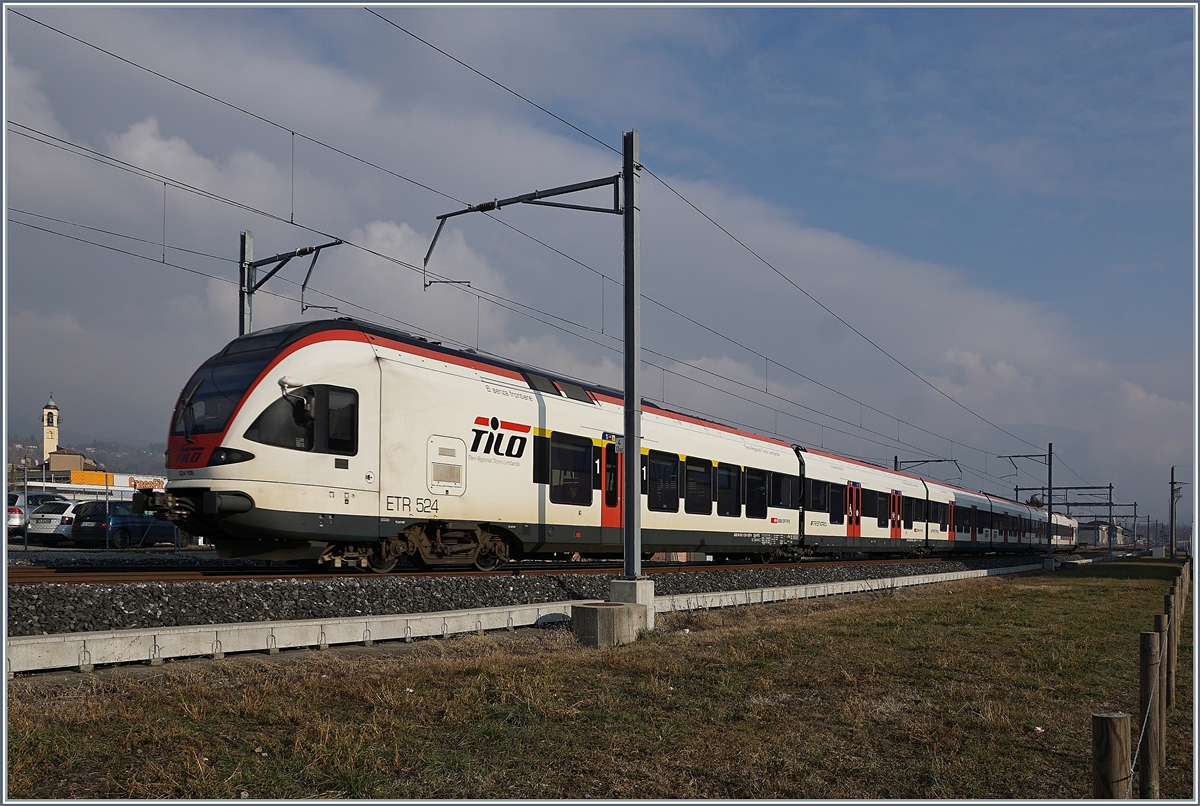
49,429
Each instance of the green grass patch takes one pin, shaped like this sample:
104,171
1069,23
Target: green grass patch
923,693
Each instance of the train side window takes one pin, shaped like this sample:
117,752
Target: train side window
542,384
818,499
870,504
729,490
662,476
756,493
783,488
288,422
341,418
698,480
919,510
837,503
908,512
570,470
610,475
883,512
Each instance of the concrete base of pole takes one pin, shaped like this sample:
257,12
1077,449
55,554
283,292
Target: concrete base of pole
605,624
635,591
1049,564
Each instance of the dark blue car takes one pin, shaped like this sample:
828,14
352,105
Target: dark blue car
118,526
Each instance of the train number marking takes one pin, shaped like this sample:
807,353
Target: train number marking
402,503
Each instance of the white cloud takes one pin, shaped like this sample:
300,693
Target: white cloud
999,353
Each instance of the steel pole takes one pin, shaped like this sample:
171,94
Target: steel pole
245,281
632,482
1172,512
1134,538
1050,504
1111,526
25,505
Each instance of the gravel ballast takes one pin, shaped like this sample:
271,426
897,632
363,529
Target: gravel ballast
62,608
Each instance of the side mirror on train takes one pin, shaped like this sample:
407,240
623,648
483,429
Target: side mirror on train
302,410
302,407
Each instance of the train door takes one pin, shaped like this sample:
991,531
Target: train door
895,513
854,510
951,523
610,505
974,521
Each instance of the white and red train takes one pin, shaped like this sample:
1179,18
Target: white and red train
351,444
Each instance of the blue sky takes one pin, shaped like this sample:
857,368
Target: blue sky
1001,197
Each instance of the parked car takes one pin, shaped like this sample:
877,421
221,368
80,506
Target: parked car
50,524
16,509
119,526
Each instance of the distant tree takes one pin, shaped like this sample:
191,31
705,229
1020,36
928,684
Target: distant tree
1034,501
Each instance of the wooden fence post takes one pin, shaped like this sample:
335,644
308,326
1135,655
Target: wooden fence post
1161,627
1110,755
1148,754
1172,644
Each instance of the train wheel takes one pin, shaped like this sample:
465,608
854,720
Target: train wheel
493,552
488,562
380,565
121,539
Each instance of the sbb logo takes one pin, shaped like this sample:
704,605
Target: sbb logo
498,442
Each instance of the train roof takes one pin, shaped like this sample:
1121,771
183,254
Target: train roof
277,339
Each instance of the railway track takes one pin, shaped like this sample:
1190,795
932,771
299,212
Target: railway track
124,574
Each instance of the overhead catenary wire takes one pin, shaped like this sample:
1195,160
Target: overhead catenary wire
476,290
508,304
349,155
505,302
293,133
736,240
445,338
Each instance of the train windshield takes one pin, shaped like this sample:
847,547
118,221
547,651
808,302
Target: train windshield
211,395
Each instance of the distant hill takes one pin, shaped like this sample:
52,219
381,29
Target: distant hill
115,457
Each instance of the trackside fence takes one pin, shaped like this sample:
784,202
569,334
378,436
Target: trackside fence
1158,655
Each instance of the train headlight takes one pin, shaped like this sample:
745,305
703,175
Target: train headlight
228,456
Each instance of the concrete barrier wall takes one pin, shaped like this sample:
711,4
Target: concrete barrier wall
698,601
85,649
73,650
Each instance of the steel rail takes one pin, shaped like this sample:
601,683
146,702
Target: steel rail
112,575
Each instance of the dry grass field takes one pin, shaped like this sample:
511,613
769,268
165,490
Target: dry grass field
934,692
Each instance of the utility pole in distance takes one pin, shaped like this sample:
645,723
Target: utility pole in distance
1048,459
1176,494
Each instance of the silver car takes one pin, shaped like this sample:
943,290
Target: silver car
50,524
16,509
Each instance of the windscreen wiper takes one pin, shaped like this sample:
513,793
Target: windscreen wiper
186,406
